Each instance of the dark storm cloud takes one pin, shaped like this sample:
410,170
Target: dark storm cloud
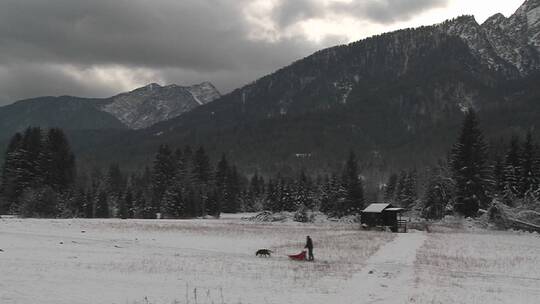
48,47
189,37
379,11
198,34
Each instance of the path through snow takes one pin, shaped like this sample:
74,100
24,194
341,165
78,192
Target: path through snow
389,274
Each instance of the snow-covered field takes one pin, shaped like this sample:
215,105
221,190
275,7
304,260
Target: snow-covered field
194,261
481,267
213,261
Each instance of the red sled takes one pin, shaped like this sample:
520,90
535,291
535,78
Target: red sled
298,257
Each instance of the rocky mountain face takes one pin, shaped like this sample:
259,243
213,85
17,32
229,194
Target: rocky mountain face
509,45
398,96
153,103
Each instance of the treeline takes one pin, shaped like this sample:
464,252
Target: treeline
39,179
39,168
183,183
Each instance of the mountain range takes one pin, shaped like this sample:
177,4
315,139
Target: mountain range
137,109
397,99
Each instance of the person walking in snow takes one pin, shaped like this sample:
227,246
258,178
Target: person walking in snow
309,247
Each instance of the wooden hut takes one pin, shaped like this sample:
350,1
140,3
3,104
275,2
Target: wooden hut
383,215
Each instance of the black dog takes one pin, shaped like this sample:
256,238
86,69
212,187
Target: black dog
264,252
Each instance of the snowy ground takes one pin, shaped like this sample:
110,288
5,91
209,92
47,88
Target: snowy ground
213,261
199,261
480,267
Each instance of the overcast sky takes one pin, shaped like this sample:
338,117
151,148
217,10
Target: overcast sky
98,48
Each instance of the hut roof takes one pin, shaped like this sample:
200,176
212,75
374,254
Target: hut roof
376,208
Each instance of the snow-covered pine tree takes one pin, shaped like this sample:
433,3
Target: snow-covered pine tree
140,205
213,204
233,191
173,203
498,177
512,170
255,193
353,185
128,204
400,187
102,205
438,195
162,175
301,192
88,205
202,171
407,193
271,203
221,180
11,174
328,196
390,188
57,161
528,180
30,171
115,184
470,171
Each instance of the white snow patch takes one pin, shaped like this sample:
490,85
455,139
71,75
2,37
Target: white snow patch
197,99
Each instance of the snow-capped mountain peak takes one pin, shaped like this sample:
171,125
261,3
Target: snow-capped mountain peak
154,103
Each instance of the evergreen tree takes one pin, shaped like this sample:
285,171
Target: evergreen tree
201,166
468,161
12,174
38,202
37,162
102,206
406,194
353,186
438,195
329,195
129,204
222,179
30,169
173,201
512,168
163,173
255,193
141,209
121,211
57,161
115,180
390,188
304,192
498,175
272,197
115,184
233,191
528,181
88,205
286,196
213,204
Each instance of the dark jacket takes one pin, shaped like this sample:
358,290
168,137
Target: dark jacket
309,244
